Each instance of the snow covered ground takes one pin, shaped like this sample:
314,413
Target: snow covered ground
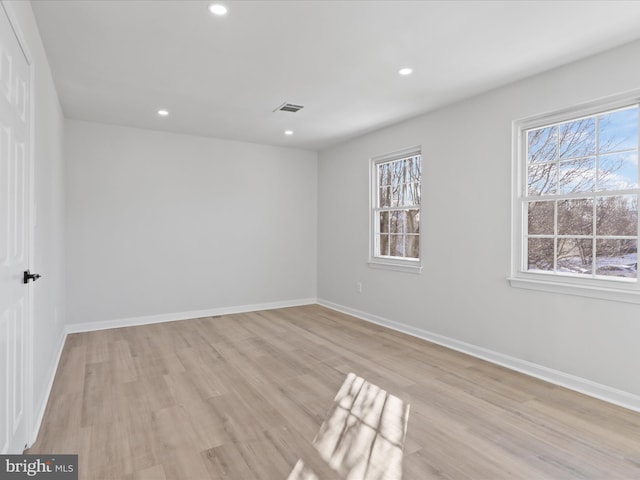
620,266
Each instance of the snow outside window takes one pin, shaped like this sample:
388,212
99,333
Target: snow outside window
576,203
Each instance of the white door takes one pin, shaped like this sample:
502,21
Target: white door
14,238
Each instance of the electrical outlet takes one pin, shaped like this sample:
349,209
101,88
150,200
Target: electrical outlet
359,287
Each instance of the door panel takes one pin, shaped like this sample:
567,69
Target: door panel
4,194
4,382
17,386
18,187
15,326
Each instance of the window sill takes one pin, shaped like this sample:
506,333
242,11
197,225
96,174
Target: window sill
591,291
398,267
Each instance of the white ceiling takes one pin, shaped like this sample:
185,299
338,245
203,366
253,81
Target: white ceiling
119,61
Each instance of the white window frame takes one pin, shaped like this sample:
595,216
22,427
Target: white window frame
391,263
614,288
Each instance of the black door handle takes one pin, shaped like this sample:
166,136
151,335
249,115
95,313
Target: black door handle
30,276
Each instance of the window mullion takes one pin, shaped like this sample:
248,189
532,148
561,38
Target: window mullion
594,225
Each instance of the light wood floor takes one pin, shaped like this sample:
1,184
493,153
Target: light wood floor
243,396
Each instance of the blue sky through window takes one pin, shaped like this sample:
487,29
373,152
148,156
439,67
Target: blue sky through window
619,130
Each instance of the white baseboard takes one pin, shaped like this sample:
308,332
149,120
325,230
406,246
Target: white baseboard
582,385
51,375
172,317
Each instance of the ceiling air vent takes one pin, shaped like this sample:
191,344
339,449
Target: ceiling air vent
288,107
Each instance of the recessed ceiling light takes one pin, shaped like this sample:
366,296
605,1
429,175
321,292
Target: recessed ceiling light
288,132
163,113
217,9
405,71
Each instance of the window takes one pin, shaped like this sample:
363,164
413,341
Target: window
395,213
576,206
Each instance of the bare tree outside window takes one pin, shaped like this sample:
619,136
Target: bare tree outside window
397,208
581,200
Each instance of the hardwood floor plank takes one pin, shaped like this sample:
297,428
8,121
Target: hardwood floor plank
110,452
185,465
156,392
71,371
98,398
122,365
192,386
227,462
143,441
244,396
208,423
152,473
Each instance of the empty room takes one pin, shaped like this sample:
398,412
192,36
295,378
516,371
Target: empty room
319,240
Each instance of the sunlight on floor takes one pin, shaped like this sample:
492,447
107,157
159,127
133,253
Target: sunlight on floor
363,435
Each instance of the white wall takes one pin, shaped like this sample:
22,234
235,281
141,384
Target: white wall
463,293
161,223
48,258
